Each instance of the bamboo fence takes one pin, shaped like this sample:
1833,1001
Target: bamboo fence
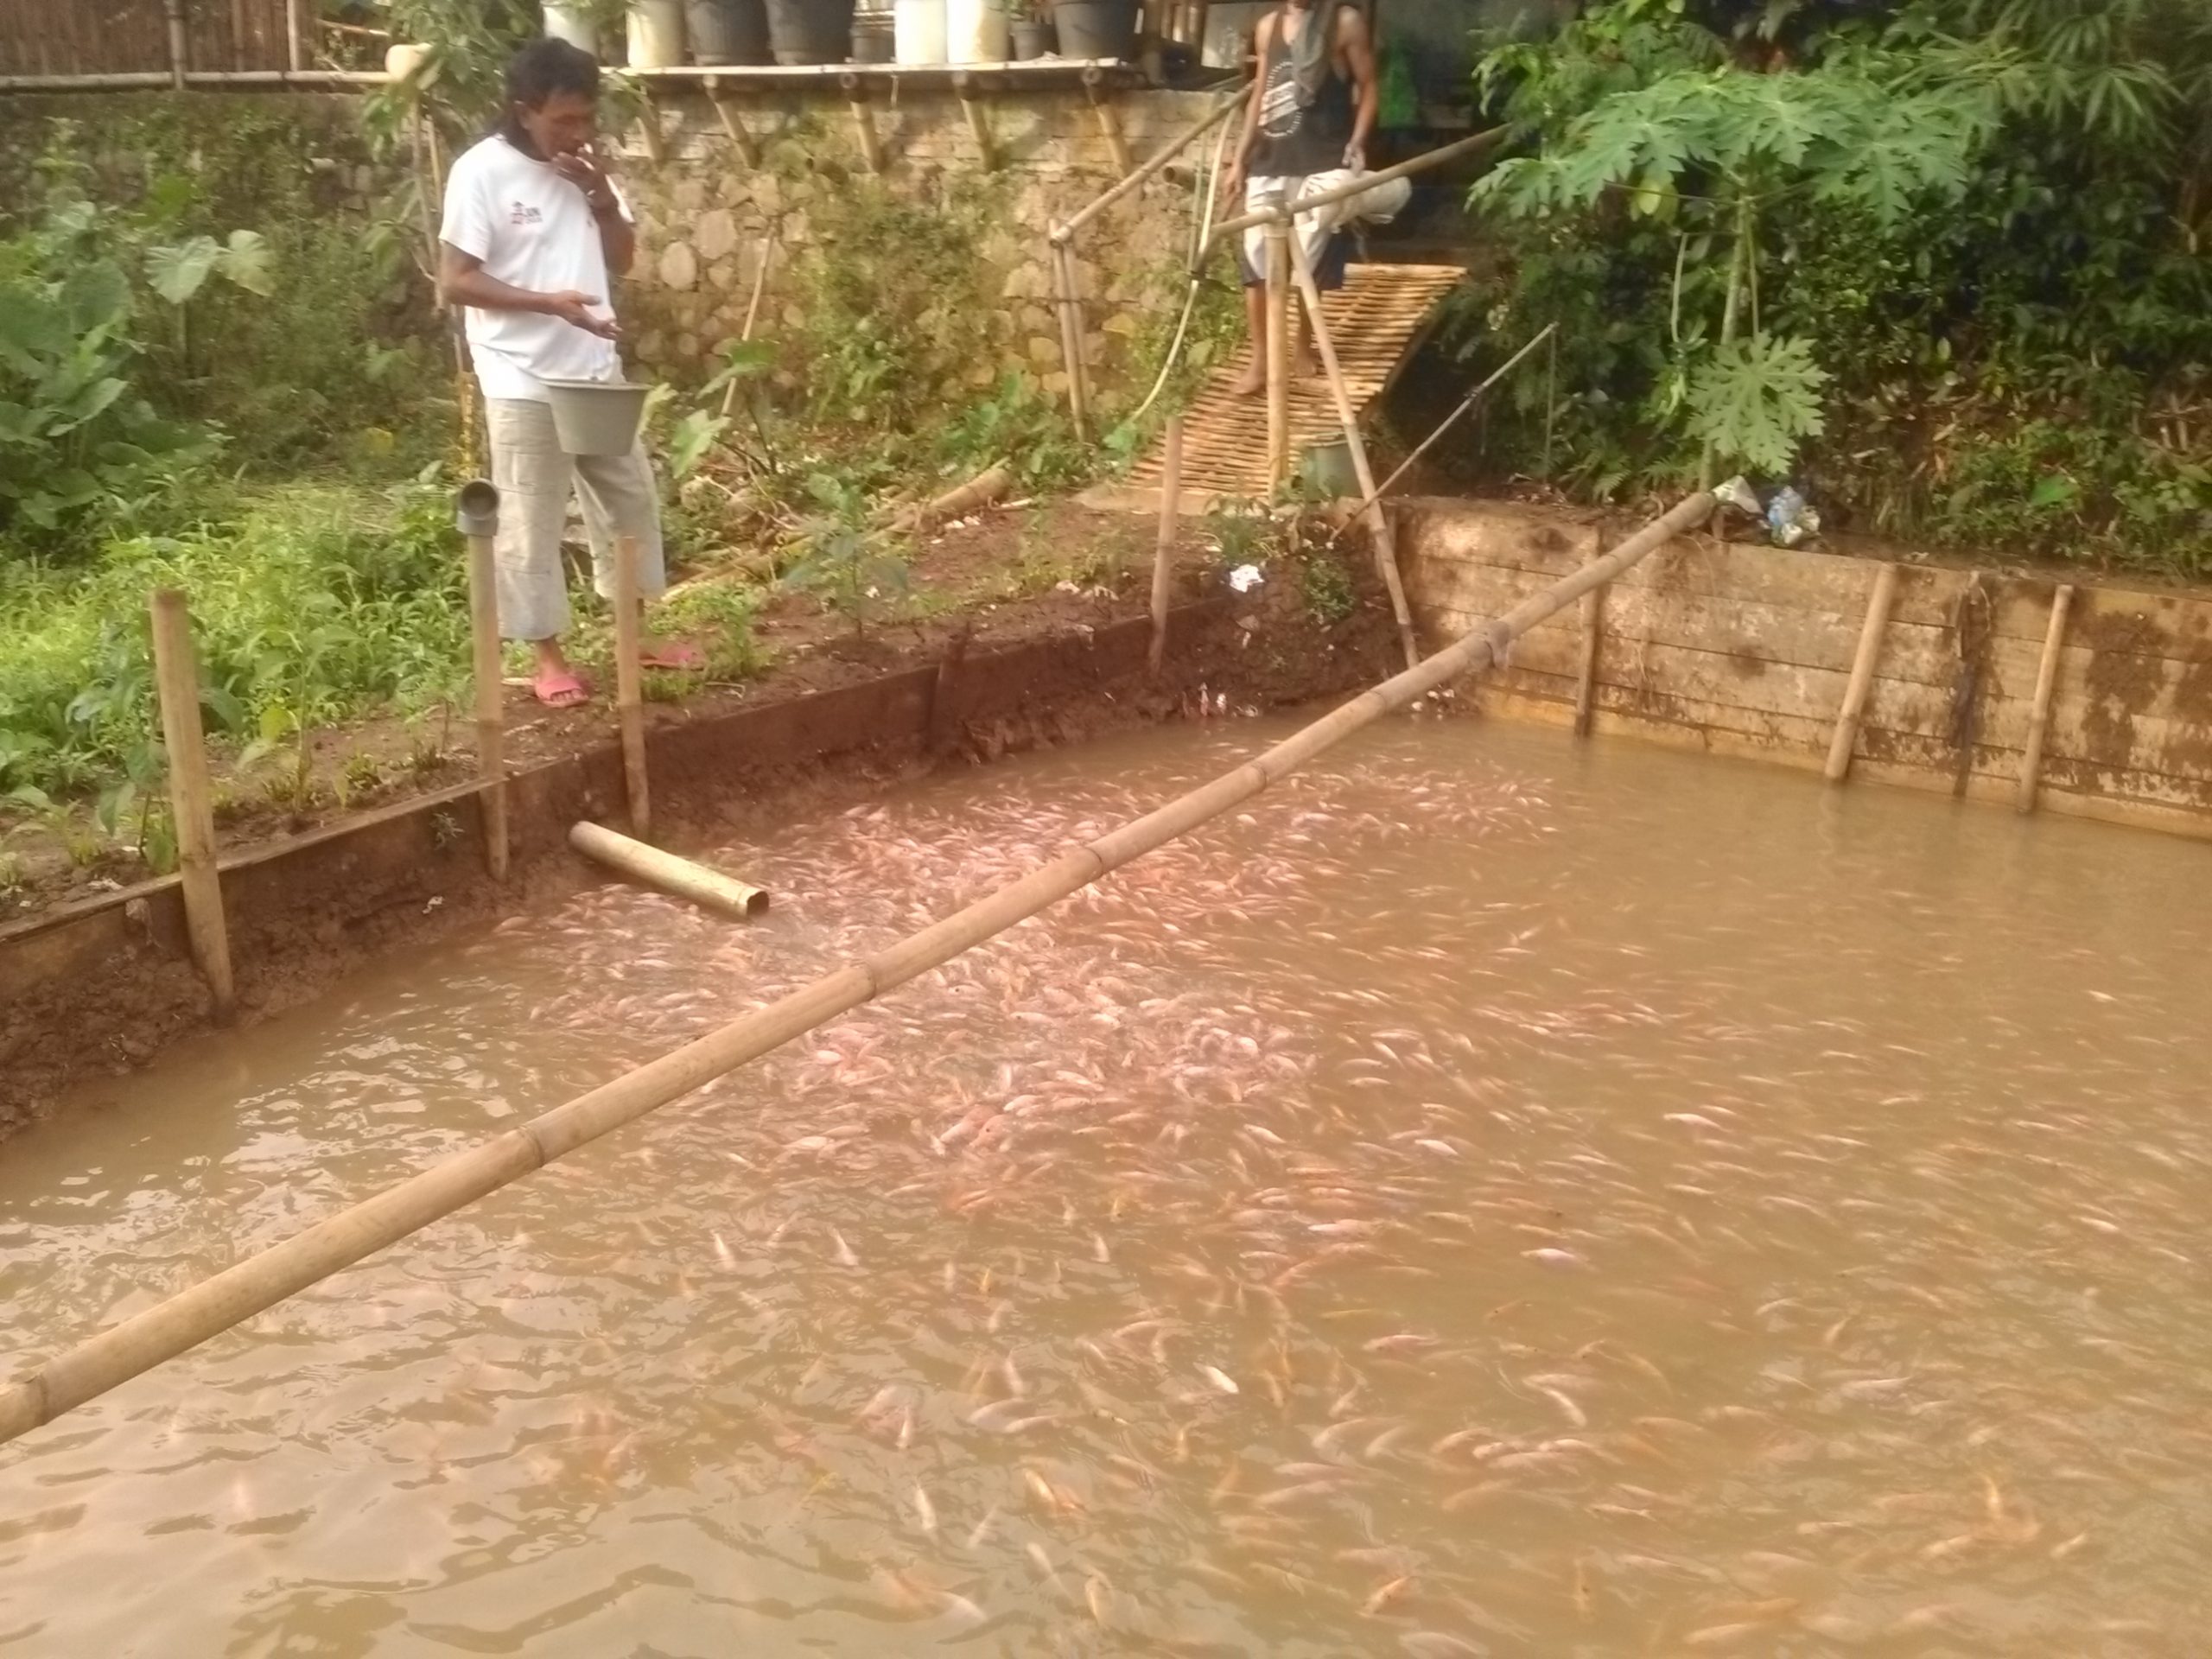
128,37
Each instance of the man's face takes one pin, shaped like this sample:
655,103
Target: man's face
563,124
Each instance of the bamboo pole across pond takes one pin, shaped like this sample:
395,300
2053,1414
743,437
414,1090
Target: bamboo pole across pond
185,1320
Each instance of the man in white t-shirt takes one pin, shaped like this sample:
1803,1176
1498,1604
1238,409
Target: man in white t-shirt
533,226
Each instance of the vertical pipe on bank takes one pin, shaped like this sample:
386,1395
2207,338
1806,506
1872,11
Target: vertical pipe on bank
1171,522
629,684
477,515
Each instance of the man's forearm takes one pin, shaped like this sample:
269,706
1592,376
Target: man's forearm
618,237
481,291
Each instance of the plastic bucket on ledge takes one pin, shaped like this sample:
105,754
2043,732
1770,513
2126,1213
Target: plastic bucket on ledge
598,418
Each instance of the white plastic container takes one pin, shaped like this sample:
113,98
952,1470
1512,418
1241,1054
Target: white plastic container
572,24
656,34
918,28
977,31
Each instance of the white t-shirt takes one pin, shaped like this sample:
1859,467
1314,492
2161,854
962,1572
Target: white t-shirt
534,229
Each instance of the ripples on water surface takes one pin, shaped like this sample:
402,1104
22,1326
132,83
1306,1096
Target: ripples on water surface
1488,1197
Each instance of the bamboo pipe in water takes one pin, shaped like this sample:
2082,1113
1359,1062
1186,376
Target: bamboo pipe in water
185,1320
680,876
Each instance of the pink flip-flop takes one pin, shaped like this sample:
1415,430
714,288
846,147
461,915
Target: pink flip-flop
676,653
559,690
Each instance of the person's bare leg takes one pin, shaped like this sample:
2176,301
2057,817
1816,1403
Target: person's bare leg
1254,381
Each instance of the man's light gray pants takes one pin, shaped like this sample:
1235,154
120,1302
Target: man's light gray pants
535,479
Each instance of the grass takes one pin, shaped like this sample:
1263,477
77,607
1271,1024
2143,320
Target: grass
311,602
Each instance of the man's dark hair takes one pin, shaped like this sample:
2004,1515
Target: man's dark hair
542,68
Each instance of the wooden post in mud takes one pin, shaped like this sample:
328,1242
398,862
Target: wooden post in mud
1585,688
1278,348
1862,674
2039,711
1378,522
176,680
630,683
42,1393
478,516
1171,524
669,873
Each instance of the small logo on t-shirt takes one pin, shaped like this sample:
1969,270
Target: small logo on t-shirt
523,213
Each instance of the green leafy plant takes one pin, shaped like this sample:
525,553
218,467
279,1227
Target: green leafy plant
1706,152
853,570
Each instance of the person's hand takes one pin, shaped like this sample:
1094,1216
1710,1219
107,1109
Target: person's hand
574,309
581,168
1356,157
1232,182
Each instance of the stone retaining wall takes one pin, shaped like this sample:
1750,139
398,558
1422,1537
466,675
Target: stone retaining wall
704,215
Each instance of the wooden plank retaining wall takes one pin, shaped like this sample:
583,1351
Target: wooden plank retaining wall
1746,649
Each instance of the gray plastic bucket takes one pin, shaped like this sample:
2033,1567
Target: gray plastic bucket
598,418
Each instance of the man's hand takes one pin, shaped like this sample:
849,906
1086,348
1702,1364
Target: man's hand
581,169
1232,183
574,309
1356,157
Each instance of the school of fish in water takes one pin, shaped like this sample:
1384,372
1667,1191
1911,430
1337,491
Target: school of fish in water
1462,1205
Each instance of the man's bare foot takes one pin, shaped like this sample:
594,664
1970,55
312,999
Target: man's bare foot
1252,382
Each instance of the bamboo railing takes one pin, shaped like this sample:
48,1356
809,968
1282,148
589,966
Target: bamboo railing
183,1321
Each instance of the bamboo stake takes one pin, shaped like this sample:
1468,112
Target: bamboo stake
649,128
1585,689
2046,682
1378,522
733,123
1064,233
478,516
1171,523
979,121
1862,674
863,123
295,35
1278,351
179,51
185,1320
1110,125
629,682
680,876
1070,310
752,316
177,677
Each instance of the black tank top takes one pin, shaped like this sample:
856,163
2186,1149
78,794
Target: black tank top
1292,141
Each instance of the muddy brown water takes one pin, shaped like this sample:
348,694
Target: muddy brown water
1488,1197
